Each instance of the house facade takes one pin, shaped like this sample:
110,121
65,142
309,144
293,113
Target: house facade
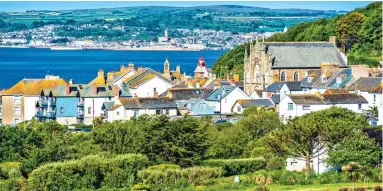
222,99
241,104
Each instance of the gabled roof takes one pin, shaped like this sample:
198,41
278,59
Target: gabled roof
294,86
303,54
147,103
328,99
75,90
188,93
143,75
274,87
254,102
220,93
276,98
332,74
366,84
33,87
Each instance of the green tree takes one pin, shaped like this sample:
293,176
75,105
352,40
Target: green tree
357,147
308,136
348,28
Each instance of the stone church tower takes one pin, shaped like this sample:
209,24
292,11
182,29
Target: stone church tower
167,69
257,68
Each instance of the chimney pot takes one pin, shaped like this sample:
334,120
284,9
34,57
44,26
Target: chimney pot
155,94
67,89
94,88
117,91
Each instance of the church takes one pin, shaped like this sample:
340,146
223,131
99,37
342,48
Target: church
269,62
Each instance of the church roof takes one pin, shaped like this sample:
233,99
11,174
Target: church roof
303,54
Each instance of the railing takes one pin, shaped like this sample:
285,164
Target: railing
51,115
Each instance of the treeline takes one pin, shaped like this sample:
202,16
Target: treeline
153,152
358,34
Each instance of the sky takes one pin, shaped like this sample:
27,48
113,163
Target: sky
20,6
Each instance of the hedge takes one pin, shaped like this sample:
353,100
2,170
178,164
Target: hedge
236,166
170,176
91,172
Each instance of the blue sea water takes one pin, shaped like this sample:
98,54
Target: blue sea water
82,65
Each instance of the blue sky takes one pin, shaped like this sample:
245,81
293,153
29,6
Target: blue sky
318,5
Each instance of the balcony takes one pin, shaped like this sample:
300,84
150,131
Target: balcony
44,102
80,104
51,115
40,114
52,102
80,116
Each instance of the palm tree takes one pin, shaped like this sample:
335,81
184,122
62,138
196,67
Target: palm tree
372,111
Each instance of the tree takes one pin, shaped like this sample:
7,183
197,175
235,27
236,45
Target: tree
310,135
357,147
348,28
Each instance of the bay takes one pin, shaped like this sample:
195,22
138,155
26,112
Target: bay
82,65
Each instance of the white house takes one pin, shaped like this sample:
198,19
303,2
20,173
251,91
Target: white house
147,83
297,105
125,108
222,99
241,104
290,88
124,74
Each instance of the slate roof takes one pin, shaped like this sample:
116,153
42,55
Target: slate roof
276,98
274,87
33,87
76,90
303,54
143,75
222,91
254,102
328,99
316,78
147,103
335,91
107,105
188,93
366,84
294,86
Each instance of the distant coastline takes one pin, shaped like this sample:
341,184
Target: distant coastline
153,48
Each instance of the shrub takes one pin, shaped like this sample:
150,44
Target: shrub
237,166
90,172
176,176
10,170
141,187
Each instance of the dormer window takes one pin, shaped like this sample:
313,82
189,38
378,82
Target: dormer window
338,80
324,79
309,79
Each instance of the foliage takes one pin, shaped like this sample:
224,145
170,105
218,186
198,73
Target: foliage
181,141
357,147
307,136
90,172
171,176
236,166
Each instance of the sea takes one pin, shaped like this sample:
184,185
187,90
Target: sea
82,65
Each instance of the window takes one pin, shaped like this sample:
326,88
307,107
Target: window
89,110
16,121
306,107
1,110
136,113
154,89
239,109
225,99
324,79
338,80
296,76
16,110
283,76
158,112
16,99
218,97
167,112
374,99
61,110
202,106
290,106
118,113
309,79
359,106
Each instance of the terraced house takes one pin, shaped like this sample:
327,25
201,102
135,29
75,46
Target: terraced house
19,102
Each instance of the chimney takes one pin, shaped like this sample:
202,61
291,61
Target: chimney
67,89
116,91
94,88
135,95
70,81
332,40
131,66
197,85
100,73
178,69
110,77
55,84
236,77
155,94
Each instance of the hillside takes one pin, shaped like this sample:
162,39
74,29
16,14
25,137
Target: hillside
358,34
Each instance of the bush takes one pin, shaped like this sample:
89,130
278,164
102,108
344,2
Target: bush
90,172
237,166
10,170
141,187
175,176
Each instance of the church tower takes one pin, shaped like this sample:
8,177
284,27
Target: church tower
167,69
